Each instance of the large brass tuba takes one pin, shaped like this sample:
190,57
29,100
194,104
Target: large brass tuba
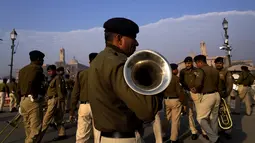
224,119
147,72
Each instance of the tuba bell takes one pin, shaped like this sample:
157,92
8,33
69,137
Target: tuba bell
147,72
224,119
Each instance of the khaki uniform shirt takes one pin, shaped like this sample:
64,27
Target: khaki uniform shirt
31,79
174,89
80,90
245,78
116,107
227,81
12,87
69,84
187,78
4,87
57,88
207,80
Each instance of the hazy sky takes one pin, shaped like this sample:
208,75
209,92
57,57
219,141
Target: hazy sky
174,28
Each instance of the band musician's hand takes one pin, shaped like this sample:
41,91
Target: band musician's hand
184,110
193,90
72,119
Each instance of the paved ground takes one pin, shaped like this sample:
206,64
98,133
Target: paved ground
243,131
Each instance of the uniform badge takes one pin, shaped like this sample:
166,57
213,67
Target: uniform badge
221,76
196,74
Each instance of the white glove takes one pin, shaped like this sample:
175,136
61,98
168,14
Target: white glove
235,87
20,111
31,98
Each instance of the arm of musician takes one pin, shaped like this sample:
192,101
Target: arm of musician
182,77
229,83
198,81
75,97
180,91
220,86
59,88
145,107
240,79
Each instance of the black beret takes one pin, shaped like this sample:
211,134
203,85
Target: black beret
188,59
51,67
173,66
219,60
60,69
36,54
122,26
92,56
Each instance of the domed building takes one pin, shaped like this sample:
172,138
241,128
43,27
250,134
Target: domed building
72,67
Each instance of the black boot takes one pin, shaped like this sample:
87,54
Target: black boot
194,136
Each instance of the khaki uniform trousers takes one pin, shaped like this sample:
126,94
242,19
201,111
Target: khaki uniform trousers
207,107
190,112
137,139
32,113
173,108
244,96
252,93
68,99
13,101
55,111
2,99
85,125
156,125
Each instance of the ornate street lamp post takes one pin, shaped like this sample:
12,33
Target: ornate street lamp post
13,37
226,45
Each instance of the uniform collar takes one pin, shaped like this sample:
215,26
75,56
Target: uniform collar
193,68
115,48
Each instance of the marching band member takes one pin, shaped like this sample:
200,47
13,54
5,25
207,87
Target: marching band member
85,118
173,100
56,103
227,81
118,111
187,79
244,82
207,98
30,103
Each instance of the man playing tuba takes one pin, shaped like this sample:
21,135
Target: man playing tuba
227,81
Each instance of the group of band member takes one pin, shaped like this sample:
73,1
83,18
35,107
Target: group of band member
111,110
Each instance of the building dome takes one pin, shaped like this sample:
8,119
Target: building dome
73,61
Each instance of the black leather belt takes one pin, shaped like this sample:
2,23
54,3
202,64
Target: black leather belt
171,97
209,92
118,134
51,97
84,102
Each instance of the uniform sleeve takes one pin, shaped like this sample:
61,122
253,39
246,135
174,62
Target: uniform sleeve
199,79
180,92
59,87
182,79
145,107
40,77
220,86
229,83
75,95
240,79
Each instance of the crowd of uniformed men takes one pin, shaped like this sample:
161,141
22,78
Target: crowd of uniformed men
110,109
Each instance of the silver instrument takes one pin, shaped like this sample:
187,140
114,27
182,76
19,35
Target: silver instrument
147,72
